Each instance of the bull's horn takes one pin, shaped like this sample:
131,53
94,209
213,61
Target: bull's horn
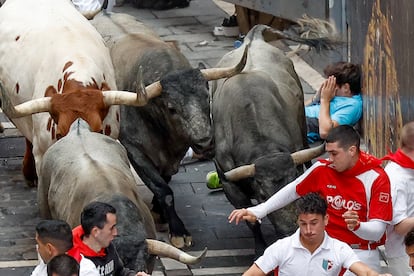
163,249
26,108
140,98
218,73
303,156
240,172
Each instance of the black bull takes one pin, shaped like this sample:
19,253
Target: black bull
157,135
259,121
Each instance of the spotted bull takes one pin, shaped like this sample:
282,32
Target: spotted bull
85,166
158,135
259,124
52,59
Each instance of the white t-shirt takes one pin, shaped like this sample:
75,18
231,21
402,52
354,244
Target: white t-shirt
291,258
402,193
87,268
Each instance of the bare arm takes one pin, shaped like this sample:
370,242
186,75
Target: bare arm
254,270
361,269
404,226
327,93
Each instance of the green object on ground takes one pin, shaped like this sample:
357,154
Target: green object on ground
213,180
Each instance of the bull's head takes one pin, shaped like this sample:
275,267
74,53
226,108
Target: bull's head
134,225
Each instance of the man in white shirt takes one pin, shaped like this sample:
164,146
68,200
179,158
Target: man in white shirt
310,250
400,171
54,237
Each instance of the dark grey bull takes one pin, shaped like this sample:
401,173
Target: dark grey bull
259,122
85,166
158,135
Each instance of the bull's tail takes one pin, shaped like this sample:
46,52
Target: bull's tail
316,33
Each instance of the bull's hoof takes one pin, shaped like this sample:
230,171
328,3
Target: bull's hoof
181,242
31,183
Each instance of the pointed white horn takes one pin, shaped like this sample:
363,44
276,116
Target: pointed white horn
241,172
166,250
218,73
303,156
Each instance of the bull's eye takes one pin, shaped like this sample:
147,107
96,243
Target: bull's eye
171,109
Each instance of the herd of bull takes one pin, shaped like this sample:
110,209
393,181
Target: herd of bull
65,83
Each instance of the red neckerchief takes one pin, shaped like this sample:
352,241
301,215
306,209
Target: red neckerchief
75,253
365,162
400,158
80,247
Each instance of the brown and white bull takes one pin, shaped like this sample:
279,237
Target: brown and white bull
86,166
157,135
260,130
52,59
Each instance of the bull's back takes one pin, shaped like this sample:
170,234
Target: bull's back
39,38
81,168
251,119
277,71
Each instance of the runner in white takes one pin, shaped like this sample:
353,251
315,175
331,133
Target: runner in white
309,251
400,170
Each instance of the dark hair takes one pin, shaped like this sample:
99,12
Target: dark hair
345,135
311,203
63,265
56,232
94,214
345,72
409,238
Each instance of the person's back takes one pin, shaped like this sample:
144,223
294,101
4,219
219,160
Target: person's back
400,170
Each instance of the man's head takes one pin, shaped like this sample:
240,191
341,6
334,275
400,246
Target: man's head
342,145
63,265
312,218
409,247
53,237
407,137
98,220
348,77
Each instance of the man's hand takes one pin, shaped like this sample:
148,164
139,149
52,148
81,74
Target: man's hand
351,220
242,214
328,89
